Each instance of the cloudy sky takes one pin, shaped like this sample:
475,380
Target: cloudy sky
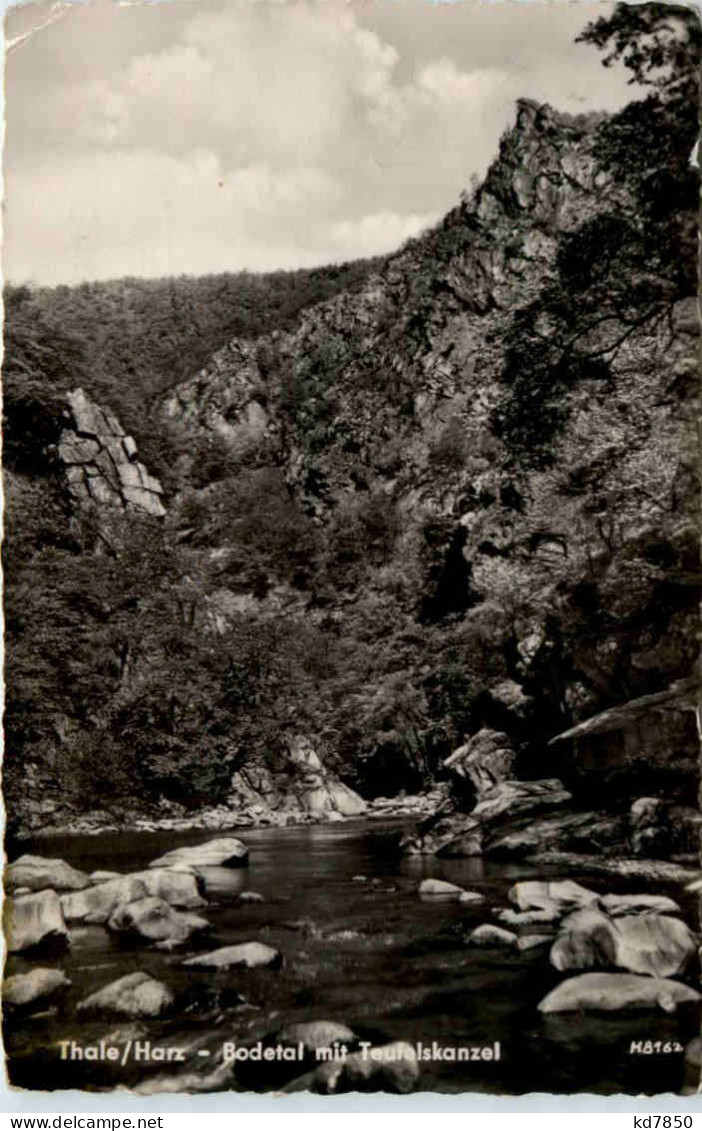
167,138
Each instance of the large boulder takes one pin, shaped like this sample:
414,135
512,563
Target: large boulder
33,990
644,944
586,940
611,992
154,920
498,809
134,995
35,922
654,944
554,896
38,873
224,852
249,954
97,903
486,759
180,887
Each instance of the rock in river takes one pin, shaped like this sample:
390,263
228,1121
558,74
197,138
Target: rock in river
38,873
610,992
96,904
439,889
155,920
643,944
134,995
35,922
33,990
225,852
489,935
248,954
586,940
654,944
555,896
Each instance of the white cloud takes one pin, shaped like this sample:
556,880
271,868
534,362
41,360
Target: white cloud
260,134
143,212
377,232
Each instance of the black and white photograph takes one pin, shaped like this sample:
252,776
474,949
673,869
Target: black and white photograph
351,548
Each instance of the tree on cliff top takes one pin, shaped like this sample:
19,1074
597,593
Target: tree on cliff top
659,44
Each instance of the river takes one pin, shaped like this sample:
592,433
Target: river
366,952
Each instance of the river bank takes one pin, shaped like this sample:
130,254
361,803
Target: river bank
222,818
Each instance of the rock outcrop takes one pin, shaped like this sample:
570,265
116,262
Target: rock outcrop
505,821
485,760
100,463
294,781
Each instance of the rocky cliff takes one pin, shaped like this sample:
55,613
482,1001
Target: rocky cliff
515,409
100,464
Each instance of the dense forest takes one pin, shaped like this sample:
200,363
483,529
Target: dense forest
128,341
405,498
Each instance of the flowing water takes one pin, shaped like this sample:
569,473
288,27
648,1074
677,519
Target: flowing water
365,952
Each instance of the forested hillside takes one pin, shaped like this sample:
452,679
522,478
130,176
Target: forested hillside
458,492
128,341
